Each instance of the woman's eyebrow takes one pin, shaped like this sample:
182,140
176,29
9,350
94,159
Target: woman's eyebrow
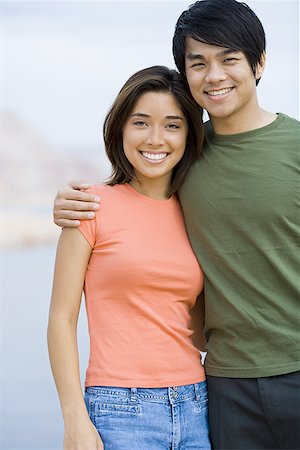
140,114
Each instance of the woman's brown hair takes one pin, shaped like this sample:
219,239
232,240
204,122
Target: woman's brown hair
152,79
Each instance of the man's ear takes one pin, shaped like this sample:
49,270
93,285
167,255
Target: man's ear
260,66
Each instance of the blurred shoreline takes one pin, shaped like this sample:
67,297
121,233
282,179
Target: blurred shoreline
23,230
31,172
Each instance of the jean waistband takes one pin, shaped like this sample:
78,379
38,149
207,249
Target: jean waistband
196,391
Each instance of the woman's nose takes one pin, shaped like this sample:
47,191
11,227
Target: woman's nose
155,137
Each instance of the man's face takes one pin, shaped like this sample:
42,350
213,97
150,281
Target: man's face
221,81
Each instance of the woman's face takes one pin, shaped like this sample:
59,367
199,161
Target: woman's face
154,137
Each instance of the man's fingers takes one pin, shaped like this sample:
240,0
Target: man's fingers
73,215
67,223
75,205
78,184
71,205
67,194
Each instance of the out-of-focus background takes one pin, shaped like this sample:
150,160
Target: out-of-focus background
61,65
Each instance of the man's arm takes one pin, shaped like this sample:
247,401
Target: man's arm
197,323
72,204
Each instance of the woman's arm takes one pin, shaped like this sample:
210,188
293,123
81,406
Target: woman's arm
73,253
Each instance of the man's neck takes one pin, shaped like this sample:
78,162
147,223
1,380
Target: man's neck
237,124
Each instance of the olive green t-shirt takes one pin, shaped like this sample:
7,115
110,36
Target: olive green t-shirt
241,205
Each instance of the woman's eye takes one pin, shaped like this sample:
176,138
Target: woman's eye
173,126
139,123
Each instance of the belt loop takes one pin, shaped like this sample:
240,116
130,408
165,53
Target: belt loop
133,393
197,391
92,408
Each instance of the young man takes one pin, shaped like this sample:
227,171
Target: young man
241,206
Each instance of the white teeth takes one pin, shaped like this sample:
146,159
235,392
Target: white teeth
154,156
219,92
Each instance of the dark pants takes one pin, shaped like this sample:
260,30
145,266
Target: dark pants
255,413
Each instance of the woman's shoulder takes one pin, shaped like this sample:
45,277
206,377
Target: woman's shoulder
102,189
105,191
97,189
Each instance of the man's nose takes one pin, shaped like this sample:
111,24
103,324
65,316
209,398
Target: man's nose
215,74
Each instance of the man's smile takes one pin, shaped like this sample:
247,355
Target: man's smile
217,92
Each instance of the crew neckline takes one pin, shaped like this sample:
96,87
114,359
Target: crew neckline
146,198
238,136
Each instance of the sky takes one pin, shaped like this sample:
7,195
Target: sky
63,62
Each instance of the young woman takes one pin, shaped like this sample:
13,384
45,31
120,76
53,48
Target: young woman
145,385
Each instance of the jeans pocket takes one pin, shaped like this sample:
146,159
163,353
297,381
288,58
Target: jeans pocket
104,407
111,416
200,405
104,404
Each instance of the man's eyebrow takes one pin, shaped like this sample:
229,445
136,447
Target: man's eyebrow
193,56
227,51
140,114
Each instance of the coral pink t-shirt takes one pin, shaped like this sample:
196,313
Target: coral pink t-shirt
141,281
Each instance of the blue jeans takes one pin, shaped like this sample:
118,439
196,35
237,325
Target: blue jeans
150,418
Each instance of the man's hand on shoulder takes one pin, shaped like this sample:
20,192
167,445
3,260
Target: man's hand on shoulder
72,204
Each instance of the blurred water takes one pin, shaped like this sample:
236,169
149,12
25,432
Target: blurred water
30,413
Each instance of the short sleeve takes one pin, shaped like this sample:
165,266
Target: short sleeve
89,227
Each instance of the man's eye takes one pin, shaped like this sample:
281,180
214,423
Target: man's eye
230,59
198,65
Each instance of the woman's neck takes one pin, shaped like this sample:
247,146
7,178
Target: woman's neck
154,189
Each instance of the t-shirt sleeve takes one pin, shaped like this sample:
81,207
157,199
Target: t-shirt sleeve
89,227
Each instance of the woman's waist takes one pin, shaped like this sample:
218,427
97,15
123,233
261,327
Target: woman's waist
191,391
143,369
